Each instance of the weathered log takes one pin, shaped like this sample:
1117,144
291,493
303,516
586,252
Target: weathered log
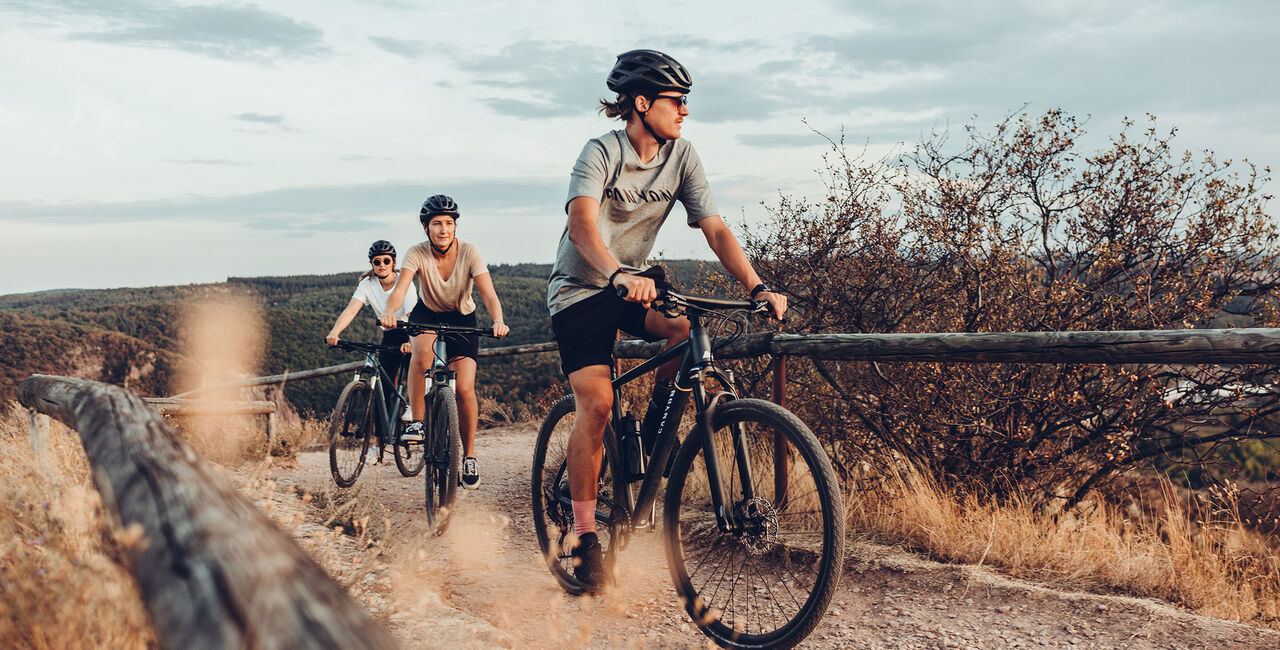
173,406
214,572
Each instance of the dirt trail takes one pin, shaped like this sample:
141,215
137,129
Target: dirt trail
483,583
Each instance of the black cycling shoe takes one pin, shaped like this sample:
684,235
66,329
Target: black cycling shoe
588,564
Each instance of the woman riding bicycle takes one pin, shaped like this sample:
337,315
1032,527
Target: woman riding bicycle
446,268
621,190
374,290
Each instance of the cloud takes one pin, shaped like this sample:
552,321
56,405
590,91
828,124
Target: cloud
261,118
328,208
408,49
539,79
221,31
205,161
782,140
276,120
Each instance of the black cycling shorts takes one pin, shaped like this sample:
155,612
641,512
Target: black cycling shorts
585,331
455,345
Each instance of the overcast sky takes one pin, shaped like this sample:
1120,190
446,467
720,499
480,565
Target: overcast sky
149,143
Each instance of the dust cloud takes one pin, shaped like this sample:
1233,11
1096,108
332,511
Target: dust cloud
223,339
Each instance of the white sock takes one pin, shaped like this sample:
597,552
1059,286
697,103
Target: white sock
584,517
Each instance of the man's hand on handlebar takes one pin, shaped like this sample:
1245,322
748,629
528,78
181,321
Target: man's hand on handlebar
635,288
500,330
387,320
331,339
777,303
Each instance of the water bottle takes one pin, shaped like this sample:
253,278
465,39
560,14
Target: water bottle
631,447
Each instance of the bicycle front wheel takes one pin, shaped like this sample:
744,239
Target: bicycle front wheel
764,575
444,448
350,432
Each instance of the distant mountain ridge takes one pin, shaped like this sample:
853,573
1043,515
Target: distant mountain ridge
132,336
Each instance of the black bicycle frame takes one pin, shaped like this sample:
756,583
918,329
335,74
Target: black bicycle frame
695,364
384,415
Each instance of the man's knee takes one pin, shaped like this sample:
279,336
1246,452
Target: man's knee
593,403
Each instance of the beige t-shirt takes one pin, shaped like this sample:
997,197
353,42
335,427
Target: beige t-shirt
438,294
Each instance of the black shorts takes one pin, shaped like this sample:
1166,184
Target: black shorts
585,331
393,361
455,345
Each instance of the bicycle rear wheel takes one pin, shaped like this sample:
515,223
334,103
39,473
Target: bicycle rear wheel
410,457
350,432
767,580
445,450
552,505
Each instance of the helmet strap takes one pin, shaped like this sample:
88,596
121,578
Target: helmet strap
648,128
442,251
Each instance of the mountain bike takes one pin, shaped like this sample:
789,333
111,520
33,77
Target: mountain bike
363,417
442,447
753,519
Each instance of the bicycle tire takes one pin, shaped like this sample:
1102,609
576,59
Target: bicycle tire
792,543
552,515
410,458
446,457
350,432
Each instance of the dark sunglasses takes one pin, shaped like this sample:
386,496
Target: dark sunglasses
681,100
379,262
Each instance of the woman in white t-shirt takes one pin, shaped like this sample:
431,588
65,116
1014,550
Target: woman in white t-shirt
447,268
374,289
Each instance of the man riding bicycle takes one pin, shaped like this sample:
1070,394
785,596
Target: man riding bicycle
622,188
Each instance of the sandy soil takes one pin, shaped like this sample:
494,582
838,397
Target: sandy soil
483,584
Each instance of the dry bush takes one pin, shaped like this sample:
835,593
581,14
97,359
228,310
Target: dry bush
1019,230
1214,565
61,582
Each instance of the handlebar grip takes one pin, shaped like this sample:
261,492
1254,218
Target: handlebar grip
620,290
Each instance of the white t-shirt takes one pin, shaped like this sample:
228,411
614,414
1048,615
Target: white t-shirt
370,292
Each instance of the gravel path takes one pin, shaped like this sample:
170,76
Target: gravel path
483,584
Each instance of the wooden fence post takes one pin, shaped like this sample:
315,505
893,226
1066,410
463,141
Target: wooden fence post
782,449
40,431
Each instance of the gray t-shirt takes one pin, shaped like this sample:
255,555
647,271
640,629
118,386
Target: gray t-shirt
635,199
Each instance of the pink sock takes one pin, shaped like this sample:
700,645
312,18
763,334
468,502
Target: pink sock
584,517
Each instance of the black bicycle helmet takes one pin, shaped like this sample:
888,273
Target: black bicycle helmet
382,247
648,72
438,204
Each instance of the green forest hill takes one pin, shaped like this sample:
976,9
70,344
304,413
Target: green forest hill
132,337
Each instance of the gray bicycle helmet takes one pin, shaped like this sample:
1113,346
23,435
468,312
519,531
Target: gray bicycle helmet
648,72
438,204
382,247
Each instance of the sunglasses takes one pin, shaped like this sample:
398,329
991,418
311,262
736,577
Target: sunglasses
381,261
680,100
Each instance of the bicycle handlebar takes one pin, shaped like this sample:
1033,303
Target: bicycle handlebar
364,347
668,300
441,328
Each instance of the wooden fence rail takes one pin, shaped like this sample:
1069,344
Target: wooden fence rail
1252,345
213,570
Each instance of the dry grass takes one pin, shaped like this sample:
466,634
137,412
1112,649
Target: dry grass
1220,568
61,584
